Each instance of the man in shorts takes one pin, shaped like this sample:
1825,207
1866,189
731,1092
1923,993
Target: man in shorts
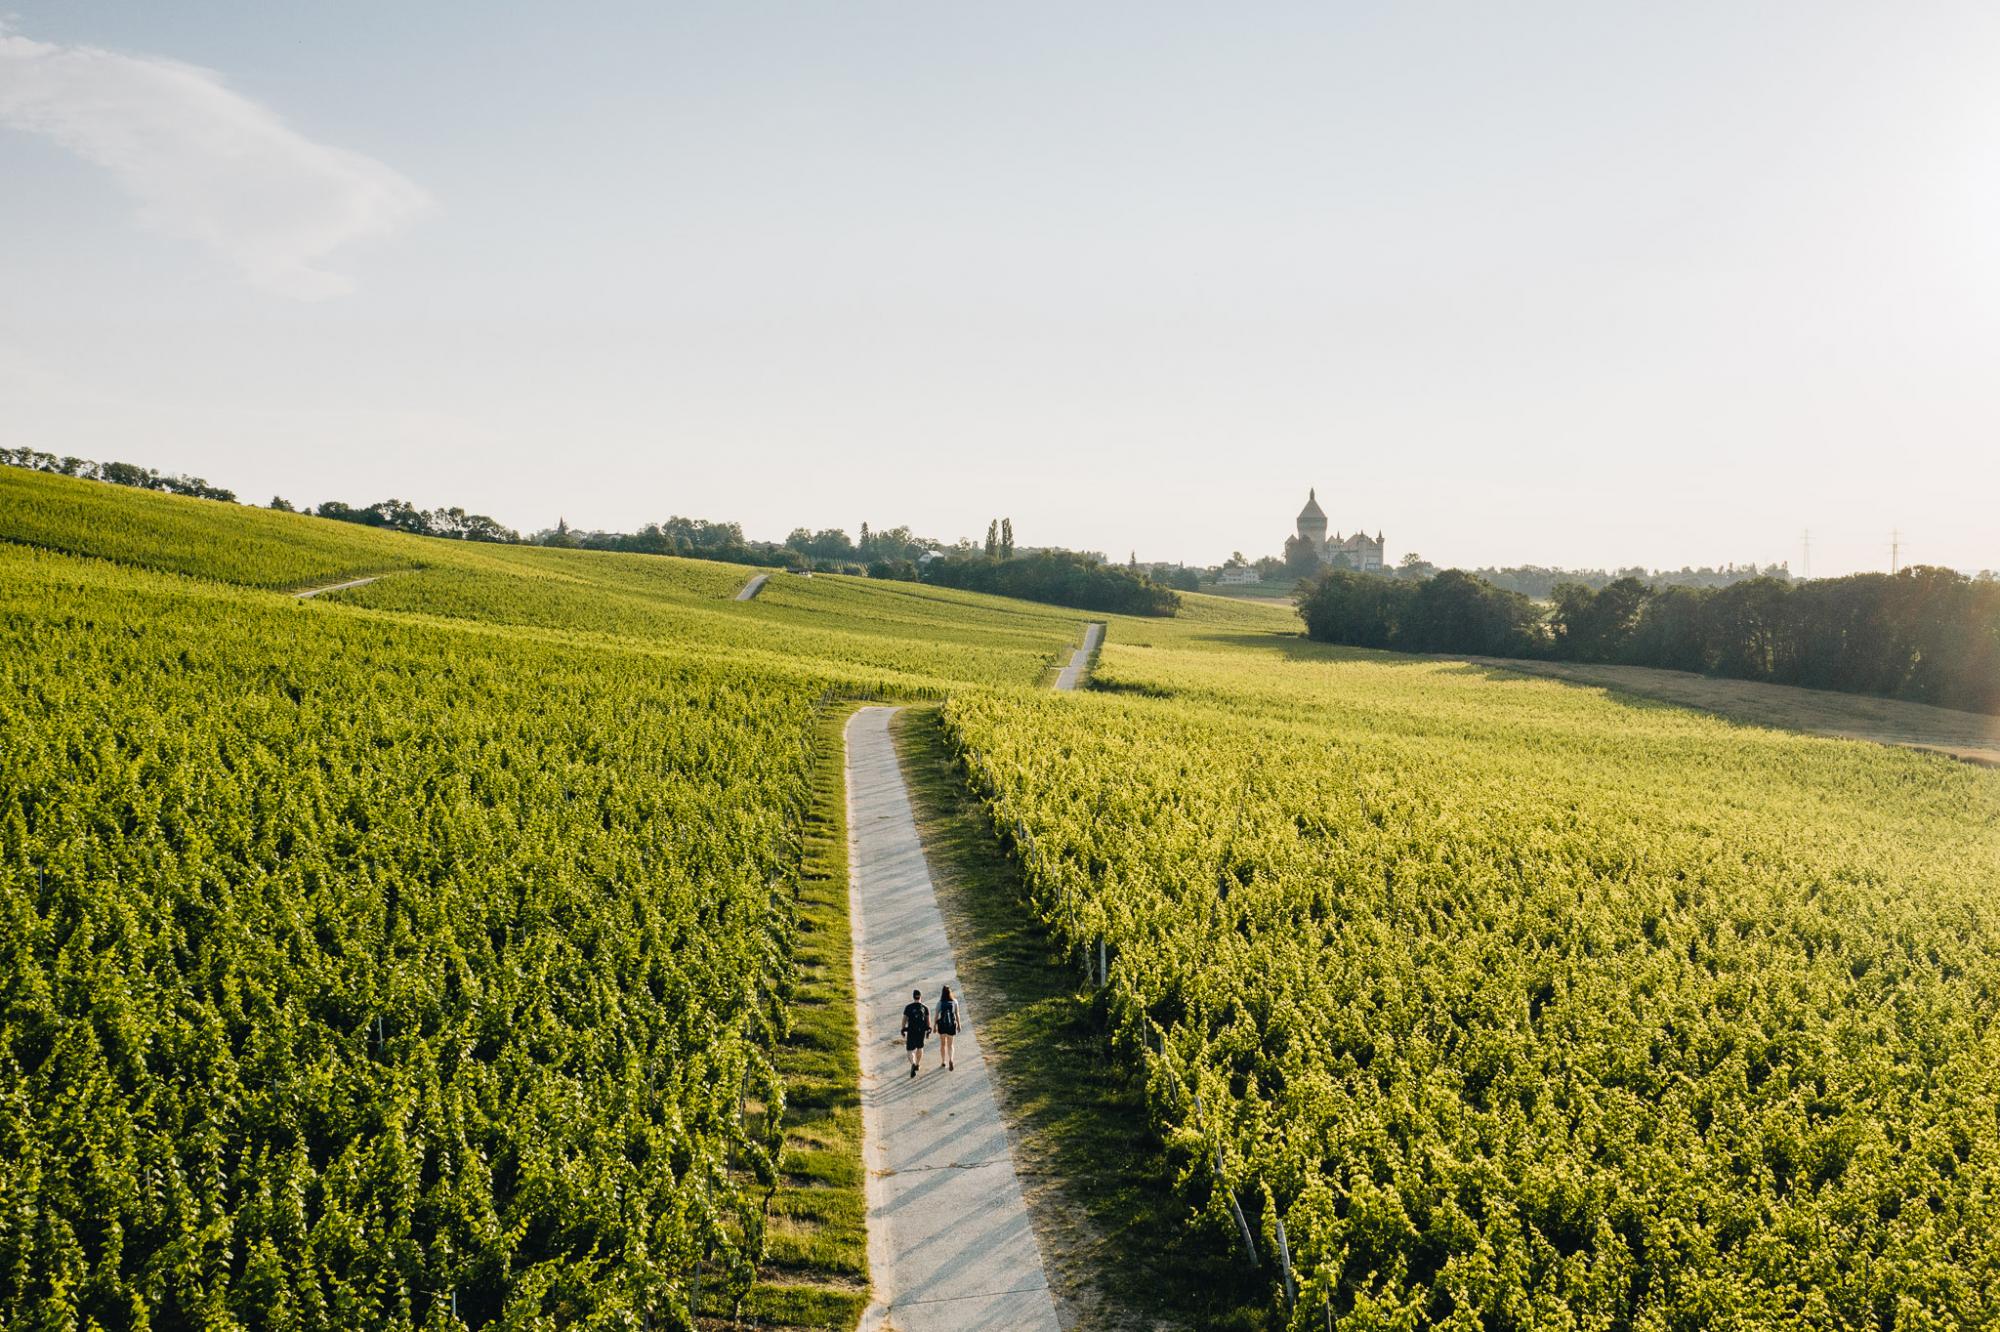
916,1028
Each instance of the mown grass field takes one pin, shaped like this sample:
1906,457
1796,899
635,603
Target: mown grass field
1972,736
1275,590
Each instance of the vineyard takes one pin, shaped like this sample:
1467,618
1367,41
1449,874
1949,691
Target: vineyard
1466,1000
201,538
469,949
429,954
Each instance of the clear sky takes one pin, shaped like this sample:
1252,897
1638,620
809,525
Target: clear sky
1595,284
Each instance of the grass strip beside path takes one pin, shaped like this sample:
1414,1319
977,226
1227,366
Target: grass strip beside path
1113,1235
815,1272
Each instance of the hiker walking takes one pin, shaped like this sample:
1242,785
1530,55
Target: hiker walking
948,1018
916,1028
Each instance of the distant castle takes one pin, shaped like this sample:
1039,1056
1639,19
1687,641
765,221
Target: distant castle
1360,551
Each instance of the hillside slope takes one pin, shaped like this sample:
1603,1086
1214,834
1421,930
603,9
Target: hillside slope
1493,1001
1972,736
447,945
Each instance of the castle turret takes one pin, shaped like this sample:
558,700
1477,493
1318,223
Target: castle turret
1312,524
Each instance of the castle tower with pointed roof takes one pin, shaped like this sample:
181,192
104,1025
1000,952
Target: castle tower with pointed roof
1312,524
1359,551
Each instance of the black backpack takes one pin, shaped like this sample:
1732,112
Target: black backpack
948,1016
919,1019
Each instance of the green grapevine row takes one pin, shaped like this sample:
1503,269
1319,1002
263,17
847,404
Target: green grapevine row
1496,1003
354,975
407,957
230,543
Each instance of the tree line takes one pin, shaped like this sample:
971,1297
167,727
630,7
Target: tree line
1540,581
689,538
878,553
116,473
1301,560
1926,634
890,552
1058,577
396,515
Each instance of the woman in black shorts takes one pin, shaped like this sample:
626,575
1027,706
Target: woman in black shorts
947,1025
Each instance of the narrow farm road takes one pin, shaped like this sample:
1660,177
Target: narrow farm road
335,587
1072,674
949,1244
753,587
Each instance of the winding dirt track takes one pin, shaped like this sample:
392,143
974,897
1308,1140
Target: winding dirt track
1079,661
335,587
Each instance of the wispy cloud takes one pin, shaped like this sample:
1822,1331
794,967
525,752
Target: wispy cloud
206,163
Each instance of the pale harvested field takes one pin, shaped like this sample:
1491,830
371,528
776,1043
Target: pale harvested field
1972,736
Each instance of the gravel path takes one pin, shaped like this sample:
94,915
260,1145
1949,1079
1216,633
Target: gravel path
949,1244
753,587
335,587
1072,674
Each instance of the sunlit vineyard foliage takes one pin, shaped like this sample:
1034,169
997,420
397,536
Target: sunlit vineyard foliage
886,634
407,966
409,957
204,538
1521,1006
331,973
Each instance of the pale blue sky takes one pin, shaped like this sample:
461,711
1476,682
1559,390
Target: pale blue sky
1592,284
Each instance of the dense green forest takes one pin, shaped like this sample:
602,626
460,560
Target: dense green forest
1926,634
